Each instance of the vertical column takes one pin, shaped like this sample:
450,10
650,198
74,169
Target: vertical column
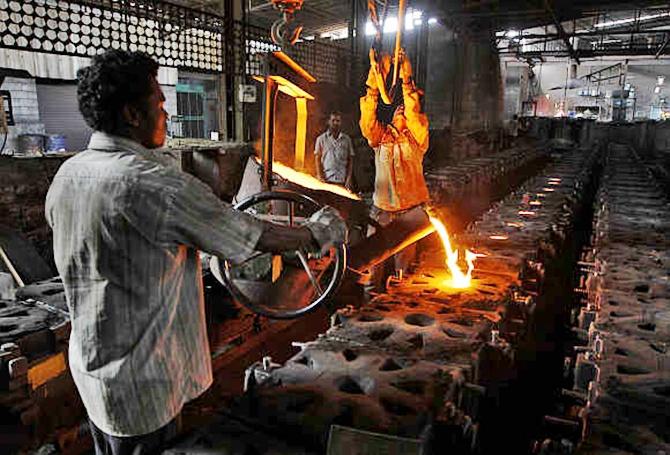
267,133
230,114
300,133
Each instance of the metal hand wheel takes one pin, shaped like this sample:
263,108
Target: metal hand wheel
282,286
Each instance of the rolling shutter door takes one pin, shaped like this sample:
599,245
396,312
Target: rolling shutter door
59,111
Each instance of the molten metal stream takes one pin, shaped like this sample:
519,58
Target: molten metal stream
459,279
307,181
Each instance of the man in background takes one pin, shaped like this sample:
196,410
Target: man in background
334,154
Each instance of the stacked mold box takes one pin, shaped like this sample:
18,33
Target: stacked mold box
36,411
622,370
471,185
427,363
37,395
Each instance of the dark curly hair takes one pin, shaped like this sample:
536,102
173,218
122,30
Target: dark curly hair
114,79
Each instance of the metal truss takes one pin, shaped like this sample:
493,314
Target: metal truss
640,32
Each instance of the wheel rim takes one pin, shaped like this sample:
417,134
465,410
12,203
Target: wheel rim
225,272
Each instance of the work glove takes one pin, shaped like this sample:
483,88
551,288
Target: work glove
405,69
328,229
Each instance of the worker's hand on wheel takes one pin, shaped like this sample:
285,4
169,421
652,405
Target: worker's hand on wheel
328,229
405,67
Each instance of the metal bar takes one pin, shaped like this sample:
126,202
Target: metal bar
311,276
608,68
300,133
408,228
606,78
637,51
11,268
398,41
44,306
268,107
663,46
555,36
561,32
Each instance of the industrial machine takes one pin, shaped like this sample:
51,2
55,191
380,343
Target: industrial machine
299,282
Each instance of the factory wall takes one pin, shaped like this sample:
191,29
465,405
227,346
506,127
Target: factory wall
464,85
463,93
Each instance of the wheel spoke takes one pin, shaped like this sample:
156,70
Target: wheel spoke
311,276
251,258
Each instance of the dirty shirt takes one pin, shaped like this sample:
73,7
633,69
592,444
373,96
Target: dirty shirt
127,229
399,180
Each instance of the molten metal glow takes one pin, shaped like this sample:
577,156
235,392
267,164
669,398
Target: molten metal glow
307,181
498,237
459,279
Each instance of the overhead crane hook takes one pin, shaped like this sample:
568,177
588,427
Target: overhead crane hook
285,31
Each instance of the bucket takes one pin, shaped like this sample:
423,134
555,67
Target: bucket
31,144
56,143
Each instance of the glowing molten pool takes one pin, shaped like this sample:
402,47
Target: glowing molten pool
459,279
307,181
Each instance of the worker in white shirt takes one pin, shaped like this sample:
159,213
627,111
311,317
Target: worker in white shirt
334,154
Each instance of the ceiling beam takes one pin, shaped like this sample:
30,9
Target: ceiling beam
561,32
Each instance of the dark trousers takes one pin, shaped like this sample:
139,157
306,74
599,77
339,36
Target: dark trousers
146,444
400,261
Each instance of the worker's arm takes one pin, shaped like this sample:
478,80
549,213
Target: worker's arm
417,120
318,155
371,128
197,218
277,238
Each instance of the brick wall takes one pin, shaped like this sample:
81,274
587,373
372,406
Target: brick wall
24,106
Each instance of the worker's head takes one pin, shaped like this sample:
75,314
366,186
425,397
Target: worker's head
119,94
335,122
399,121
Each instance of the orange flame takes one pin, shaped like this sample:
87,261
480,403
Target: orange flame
308,181
459,279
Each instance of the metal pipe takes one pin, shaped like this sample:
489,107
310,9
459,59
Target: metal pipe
398,41
407,229
10,267
268,108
